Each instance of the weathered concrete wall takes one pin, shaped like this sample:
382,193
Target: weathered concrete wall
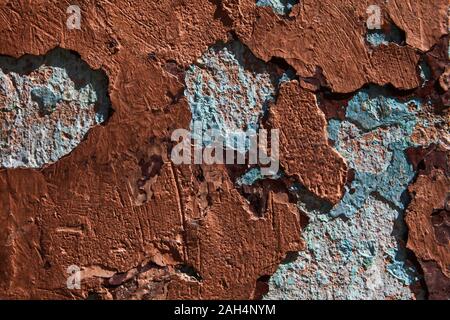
357,210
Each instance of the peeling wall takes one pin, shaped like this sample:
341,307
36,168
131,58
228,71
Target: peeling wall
357,211
49,103
229,90
357,249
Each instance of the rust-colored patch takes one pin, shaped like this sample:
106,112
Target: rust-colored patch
427,221
304,149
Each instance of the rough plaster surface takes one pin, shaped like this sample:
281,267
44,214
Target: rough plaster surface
229,90
356,250
112,203
49,105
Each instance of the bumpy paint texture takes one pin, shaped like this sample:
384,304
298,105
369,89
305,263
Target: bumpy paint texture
364,130
48,104
359,258
229,90
282,7
384,36
357,249
373,138
253,175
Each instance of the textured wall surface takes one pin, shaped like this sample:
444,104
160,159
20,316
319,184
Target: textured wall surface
49,104
359,208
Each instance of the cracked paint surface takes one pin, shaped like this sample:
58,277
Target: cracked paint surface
373,139
49,103
357,258
229,90
357,249
141,227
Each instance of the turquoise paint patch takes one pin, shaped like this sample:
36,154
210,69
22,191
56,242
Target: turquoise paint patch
347,259
372,108
399,269
377,37
368,251
358,244
229,90
46,98
373,139
346,249
250,177
50,103
253,175
282,7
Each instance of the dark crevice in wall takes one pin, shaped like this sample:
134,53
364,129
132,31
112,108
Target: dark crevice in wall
262,287
221,13
190,271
